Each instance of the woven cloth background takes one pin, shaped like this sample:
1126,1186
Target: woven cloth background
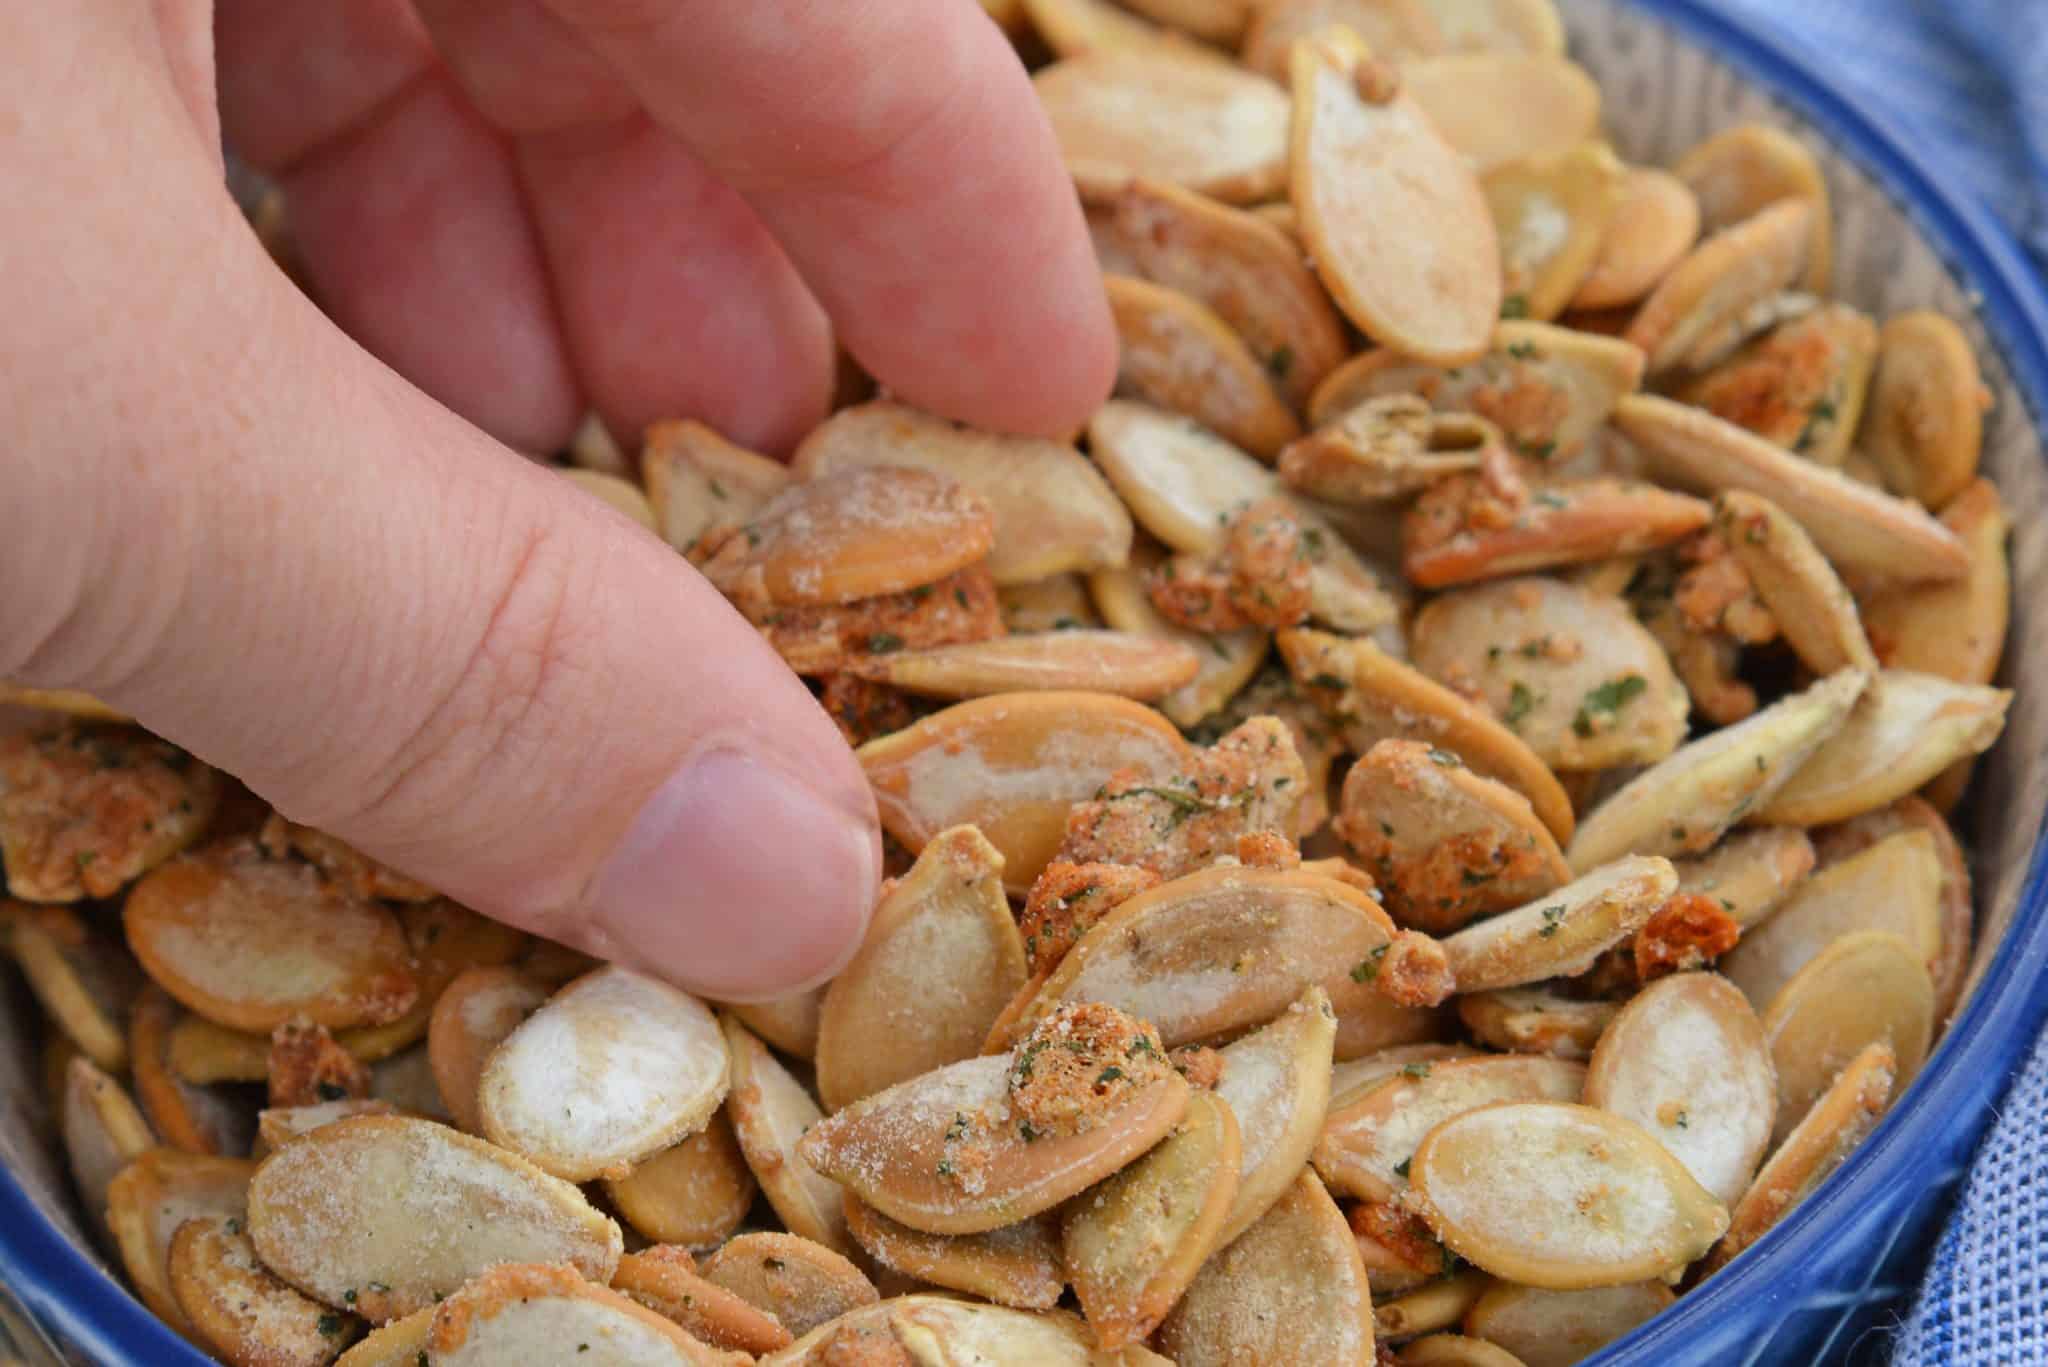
1968,78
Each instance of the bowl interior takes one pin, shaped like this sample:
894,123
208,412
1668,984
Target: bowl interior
1663,92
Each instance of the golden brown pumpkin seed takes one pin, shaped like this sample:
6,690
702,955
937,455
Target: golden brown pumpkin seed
1123,114
531,1315
1562,932
695,1193
1838,1121
1863,532
1551,215
103,1133
1052,511
1561,1196
1385,448
252,942
1956,630
1739,172
240,1310
1750,873
1549,389
84,809
1393,30
1958,915
1017,1265
1687,1061
1469,527
1366,1146
1177,353
1683,805
1373,697
1801,385
946,921
1867,987
471,1019
1728,275
1132,1245
1289,1289
1184,484
150,1198
789,1023
1225,663
771,1111
1209,954
1011,766
1455,1350
1568,670
1496,107
893,1149
1116,662
1276,1082
1656,221
277,1126
1396,225
1904,730
1925,426
1438,1305
1535,1020
1895,885
697,481
853,533
83,979
665,1280
801,1283
197,1120
1250,273
1559,1328
1795,582
1443,844
384,1214
613,1069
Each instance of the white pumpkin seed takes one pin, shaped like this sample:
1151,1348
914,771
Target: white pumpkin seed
771,1111
1276,1082
1562,932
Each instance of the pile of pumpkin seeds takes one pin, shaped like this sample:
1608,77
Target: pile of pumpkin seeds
1417,837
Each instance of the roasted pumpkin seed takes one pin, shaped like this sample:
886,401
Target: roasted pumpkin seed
1018,1265
1866,987
1276,1082
1925,422
527,1315
1501,107
1739,172
800,1283
1656,221
149,1200
1561,932
1551,215
1558,1328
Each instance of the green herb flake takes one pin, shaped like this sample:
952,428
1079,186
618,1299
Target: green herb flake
1607,700
329,1325
330,1091
1520,702
884,643
1445,759
1522,351
1280,362
1418,1071
1515,306
1682,1120
1553,917
717,490
1401,1168
1108,1075
1368,968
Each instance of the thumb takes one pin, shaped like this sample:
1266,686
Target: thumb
229,520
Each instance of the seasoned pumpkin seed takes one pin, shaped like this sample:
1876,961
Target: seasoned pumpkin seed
385,1215
239,1309
1551,215
1132,1244
1750,873
1177,353
1683,805
1838,1121
1052,511
1018,1265
1367,1145
1225,662
695,1193
665,1280
1501,107
1141,112
1352,1078
531,1315
149,1200
1656,221
1536,1020
1120,663
277,1126
197,1120
1925,422
1393,30
471,1019
1289,1289
697,480
1904,730
1509,26
800,1283
103,1133
1956,630
946,921
1687,1061
1866,987
1561,1196
1397,227
1693,309
1741,171
770,1112
1276,1082
1438,1305
1455,1350
1011,766
1561,932
82,978
1812,606
1802,384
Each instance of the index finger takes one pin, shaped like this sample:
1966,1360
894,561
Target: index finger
898,153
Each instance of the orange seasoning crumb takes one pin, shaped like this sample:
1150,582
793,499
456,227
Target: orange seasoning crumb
1078,1063
1689,931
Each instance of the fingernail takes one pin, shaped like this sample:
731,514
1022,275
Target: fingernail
739,880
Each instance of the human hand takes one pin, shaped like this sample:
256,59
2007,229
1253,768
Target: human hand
228,518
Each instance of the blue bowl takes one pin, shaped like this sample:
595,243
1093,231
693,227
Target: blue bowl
1833,1270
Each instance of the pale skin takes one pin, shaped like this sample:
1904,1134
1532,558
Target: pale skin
306,546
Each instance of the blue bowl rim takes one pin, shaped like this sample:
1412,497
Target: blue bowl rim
89,1311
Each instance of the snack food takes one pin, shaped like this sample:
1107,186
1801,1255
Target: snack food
1160,860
